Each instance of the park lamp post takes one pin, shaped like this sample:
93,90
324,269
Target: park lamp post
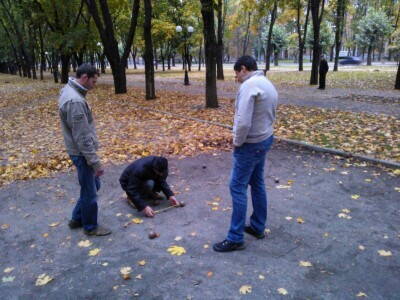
185,34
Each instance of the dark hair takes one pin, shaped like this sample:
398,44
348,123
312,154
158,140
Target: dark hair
87,69
248,61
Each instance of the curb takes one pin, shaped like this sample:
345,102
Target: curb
387,163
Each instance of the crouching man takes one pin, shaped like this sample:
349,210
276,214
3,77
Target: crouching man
143,179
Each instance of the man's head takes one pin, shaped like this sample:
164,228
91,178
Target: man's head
160,166
243,66
86,75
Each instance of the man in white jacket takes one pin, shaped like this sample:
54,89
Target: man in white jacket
255,109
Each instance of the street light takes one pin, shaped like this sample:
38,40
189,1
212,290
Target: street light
186,34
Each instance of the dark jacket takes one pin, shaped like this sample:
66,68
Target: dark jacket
134,178
323,66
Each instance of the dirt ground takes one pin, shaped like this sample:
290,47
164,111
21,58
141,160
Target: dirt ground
335,214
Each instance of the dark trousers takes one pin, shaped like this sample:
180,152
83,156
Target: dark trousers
322,79
85,210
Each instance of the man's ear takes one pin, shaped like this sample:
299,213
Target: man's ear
243,68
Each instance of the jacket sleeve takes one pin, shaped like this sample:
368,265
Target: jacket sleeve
165,188
82,134
133,189
244,116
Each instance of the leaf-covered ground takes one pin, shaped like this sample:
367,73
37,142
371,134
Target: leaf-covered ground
32,145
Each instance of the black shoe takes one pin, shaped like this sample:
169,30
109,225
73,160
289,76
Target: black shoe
227,246
98,231
73,224
251,231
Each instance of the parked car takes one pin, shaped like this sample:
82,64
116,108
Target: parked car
349,60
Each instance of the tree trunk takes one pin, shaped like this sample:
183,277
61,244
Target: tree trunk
210,46
397,84
247,35
270,30
200,57
148,52
317,15
340,13
220,43
64,67
369,57
134,53
54,63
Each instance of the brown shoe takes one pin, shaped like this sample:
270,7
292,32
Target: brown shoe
98,231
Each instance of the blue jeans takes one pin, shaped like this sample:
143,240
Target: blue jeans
85,210
248,169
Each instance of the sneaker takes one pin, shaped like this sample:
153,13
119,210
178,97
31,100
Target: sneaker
98,231
251,231
73,224
227,246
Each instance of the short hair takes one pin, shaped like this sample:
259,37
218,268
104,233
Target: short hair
248,61
87,69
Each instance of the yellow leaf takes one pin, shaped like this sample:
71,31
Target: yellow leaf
385,253
8,270
176,250
43,279
210,274
126,272
5,226
214,208
282,291
303,263
396,172
137,220
245,289
94,252
355,196
346,211
361,294
300,220
85,244
206,246
142,263
54,224
45,235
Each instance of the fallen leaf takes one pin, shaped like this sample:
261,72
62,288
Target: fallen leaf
137,220
344,216
54,224
43,279
206,246
176,250
283,186
300,220
193,233
94,252
104,264
367,180
282,291
8,270
142,263
139,276
210,274
5,226
8,279
288,218
303,263
261,277
178,238
397,189
126,272
361,247
385,253
85,244
119,214
355,196
361,294
214,208
45,235
346,211
396,172
326,234
245,289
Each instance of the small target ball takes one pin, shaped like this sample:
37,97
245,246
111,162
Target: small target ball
182,204
153,235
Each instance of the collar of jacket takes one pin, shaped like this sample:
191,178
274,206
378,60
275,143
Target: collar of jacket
78,87
253,73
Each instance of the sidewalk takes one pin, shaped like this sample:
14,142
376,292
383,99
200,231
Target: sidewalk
313,217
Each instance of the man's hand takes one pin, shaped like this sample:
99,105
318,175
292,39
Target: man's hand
148,211
99,172
173,201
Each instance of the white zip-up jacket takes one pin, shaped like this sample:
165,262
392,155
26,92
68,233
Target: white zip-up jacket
77,123
255,110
